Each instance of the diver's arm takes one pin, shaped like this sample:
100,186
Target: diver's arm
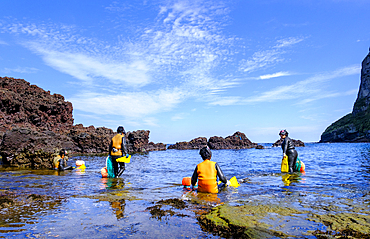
123,146
285,143
194,178
61,165
220,174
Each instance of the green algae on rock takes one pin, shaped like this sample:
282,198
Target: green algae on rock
157,211
244,221
337,222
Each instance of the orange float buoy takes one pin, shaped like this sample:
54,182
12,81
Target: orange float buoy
104,172
186,181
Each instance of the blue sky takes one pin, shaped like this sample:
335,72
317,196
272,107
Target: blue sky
184,69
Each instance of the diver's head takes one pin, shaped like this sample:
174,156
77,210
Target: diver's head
120,129
283,132
205,152
62,152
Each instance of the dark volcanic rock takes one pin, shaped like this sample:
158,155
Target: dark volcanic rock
91,139
23,147
297,143
196,143
35,125
138,141
237,141
25,105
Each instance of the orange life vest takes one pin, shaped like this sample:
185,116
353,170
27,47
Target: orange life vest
207,177
117,144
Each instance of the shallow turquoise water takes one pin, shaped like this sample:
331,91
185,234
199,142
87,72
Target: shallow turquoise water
90,206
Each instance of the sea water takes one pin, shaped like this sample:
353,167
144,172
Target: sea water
80,203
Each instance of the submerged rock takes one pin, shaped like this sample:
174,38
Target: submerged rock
241,221
266,220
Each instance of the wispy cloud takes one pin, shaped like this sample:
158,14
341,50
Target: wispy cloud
288,42
270,57
223,101
19,69
129,104
274,75
181,54
305,88
179,51
329,95
89,68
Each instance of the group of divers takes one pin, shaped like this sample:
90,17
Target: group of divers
205,173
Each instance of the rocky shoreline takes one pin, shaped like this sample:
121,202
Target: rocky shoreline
35,125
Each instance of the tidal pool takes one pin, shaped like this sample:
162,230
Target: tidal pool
330,200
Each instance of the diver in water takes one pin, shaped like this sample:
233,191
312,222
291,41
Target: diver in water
60,161
289,150
117,149
207,172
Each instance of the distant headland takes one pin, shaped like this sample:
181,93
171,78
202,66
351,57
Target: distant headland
355,126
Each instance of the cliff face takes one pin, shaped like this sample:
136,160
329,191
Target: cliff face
23,104
35,125
354,127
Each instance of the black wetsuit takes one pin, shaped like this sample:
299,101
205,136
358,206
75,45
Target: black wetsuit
63,165
289,149
118,167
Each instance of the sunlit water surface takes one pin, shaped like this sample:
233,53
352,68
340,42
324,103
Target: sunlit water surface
87,205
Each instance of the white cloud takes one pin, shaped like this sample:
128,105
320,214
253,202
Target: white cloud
19,69
177,56
268,57
87,68
179,51
288,42
306,88
129,104
222,101
261,59
328,95
274,75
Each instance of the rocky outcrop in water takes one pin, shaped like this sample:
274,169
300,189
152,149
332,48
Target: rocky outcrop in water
35,125
138,141
237,141
196,143
355,126
28,148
